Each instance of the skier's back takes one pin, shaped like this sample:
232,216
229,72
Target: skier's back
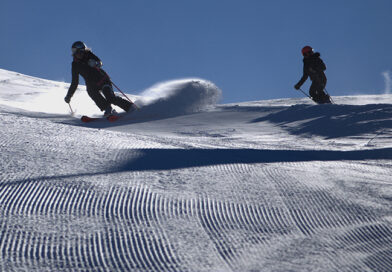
314,68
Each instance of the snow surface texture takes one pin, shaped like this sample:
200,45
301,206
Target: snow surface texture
182,185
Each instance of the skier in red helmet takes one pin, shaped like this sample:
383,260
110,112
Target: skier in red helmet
314,68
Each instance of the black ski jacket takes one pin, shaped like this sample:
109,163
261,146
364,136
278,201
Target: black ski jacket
94,76
314,68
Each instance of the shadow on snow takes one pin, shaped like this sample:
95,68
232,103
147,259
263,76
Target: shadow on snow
332,121
168,159
171,159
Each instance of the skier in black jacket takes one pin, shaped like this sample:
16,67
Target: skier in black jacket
88,65
314,68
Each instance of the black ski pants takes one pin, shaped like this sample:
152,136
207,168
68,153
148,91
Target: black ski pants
317,93
104,97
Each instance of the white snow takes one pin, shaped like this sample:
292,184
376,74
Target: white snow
185,184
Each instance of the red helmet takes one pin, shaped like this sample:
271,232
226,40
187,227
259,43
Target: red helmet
307,50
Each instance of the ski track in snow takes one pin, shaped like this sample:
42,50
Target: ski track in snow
256,186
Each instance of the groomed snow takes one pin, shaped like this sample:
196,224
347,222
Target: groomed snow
185,184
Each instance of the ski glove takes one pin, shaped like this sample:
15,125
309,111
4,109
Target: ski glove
297,86
67,99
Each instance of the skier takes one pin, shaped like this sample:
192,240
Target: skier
314,68
88,65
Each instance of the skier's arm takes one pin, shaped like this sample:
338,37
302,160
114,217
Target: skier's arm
302,80
74,83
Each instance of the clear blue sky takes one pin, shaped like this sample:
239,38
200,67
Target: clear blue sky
249,48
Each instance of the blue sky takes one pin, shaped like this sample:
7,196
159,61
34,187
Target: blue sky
248,48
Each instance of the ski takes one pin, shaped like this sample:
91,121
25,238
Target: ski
110,118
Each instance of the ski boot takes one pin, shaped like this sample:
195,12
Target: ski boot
109,111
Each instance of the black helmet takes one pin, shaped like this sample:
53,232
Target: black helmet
78,46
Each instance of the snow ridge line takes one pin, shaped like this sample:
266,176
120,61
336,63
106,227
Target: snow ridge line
316,211
132,210
84,249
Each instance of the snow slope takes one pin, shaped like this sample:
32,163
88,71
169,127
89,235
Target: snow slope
183,185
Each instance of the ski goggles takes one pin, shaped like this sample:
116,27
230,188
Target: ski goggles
76,50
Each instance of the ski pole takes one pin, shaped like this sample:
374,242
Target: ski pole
333,102
124,95
72,112
107,76
379,133
305,93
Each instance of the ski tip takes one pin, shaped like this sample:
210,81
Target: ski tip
87,119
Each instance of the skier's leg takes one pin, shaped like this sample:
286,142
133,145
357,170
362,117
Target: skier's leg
313,91
108,92
324,97
97,97
317,92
